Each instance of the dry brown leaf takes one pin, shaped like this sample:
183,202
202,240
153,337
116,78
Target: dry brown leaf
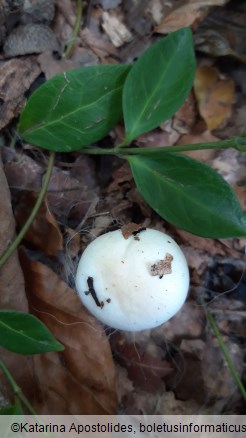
223,32
204,155
218,379
80,380
189,14
120,176
16,76
101,46
12,293
166,136
187,323
70,192
44,232
211,246
184,118
52,66
190,386
215,96
145,370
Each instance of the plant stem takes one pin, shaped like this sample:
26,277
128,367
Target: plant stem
17,391
238,143
12,247
223,348
76,28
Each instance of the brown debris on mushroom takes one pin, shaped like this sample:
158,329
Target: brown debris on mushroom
162,267
131,229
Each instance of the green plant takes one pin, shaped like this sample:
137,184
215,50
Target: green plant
24,334
73,110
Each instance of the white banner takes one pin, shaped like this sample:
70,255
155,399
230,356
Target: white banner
123,426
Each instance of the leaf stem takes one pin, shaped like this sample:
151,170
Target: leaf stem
238,143
12,247
76,28
17,390
223,348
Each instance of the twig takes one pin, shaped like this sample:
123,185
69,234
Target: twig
223,348
12,247
76,28
17,391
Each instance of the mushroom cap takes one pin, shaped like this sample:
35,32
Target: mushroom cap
133,283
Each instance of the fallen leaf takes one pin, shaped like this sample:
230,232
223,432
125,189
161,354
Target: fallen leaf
187,323
184,118
52,66
70,192
115,29
215,96
191,386
44,225
145,370
187,15
16,76
120,176
138,17
80,380
12,297
204,155
223,32
217,376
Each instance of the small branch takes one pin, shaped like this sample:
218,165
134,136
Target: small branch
13,246
88,13
76,29
238,143
223,348
16,389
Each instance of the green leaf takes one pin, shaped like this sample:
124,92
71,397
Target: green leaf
16,409
188,194
158,83
25,334
74,109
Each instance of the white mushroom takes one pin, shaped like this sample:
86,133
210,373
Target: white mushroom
133,279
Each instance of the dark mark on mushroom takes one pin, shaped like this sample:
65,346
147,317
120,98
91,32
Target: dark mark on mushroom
131,230
108,300
138,231
162,267
93,292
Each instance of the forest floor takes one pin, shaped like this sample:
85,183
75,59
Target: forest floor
177,368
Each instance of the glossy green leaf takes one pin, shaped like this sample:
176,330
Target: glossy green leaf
25,334
74,109
158,83
188,194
